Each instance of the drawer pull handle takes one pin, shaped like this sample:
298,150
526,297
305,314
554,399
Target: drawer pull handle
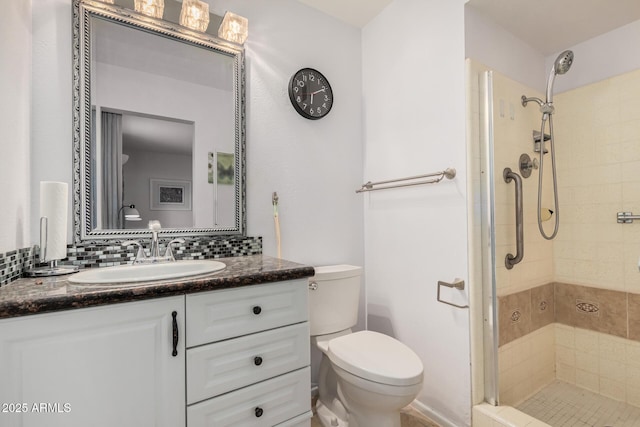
257,310
257,360
258,411
175,334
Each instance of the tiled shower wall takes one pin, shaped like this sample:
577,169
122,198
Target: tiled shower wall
527,364
597,309
597,129
513,127
589,336
598,149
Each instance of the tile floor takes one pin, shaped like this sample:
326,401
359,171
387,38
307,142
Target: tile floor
565,405
409,418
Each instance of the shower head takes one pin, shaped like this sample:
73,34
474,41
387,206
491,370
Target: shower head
560,66
563,62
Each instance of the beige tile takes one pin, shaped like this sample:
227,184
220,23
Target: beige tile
632,353
612,348
565,335
613,389
588,380
542,306
566,355
591,308
634,316
612,370
587,362
633,394
514,316
566,373
587,341
409,417
481,420
315,422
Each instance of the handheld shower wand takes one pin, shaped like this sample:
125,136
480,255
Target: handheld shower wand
561,65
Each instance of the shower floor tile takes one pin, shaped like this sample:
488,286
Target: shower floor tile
565,405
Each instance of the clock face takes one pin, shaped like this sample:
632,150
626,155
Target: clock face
311,94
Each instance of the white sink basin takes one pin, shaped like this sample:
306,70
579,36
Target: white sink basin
146,272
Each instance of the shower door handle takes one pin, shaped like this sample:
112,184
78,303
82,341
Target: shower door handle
511,260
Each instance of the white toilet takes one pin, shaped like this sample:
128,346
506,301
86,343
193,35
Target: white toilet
365,377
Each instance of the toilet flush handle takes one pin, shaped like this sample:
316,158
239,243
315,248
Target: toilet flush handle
313,286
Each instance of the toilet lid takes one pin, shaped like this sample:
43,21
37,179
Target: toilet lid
376,357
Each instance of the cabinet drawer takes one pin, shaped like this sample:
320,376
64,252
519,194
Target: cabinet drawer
218,368
275,401
228,313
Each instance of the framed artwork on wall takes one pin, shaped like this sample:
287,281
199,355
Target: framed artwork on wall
170,195
226,168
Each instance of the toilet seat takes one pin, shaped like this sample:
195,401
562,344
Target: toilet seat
376,357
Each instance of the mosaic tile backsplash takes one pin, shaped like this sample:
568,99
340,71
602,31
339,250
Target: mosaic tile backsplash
14,263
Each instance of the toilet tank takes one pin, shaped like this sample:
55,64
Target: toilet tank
334,295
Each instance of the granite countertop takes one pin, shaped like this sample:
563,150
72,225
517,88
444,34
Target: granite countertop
40,295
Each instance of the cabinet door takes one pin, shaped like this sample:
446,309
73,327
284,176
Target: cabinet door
101,367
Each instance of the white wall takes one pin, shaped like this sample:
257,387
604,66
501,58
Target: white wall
498,49
414,123
611,54
51,125
315,166
15,87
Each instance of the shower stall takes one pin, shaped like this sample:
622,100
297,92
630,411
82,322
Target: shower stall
556,337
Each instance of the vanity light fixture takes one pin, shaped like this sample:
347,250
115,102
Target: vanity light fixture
152,8
195,15
234,28
130,213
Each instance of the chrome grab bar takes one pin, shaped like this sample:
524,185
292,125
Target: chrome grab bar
626,217
511,260
448,173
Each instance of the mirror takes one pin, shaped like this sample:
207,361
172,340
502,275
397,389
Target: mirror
158,127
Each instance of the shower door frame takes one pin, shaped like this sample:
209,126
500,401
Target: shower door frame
487,203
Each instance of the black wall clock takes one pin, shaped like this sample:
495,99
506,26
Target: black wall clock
310,94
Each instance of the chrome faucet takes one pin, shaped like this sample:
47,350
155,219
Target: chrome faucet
155,227
154,249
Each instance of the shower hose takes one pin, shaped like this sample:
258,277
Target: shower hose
546,116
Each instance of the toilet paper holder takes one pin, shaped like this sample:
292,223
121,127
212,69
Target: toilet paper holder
457,284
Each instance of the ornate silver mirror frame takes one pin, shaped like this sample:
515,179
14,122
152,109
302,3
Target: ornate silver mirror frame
83,11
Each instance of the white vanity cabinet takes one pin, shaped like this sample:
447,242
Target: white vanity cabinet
241,361
248,356
106,366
